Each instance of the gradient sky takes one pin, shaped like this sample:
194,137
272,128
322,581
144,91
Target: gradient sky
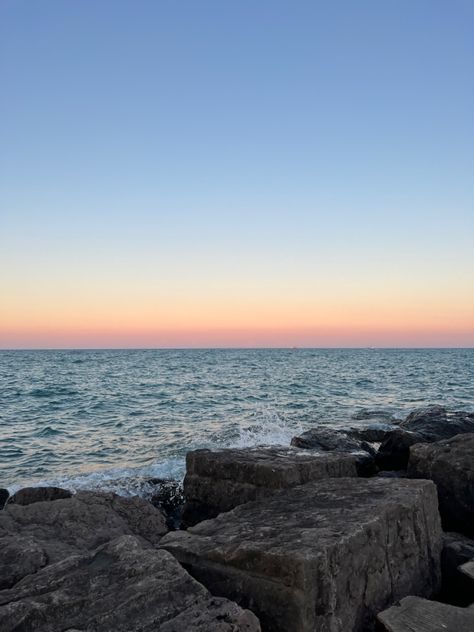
236,173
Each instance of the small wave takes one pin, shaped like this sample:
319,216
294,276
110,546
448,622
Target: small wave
271,429
126,481
48,431
51,392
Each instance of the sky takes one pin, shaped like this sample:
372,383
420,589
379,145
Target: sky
236,173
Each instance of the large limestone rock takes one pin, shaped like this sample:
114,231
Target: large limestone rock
326,556
123,586
435,423
420,615
41,533
450,464
219,480
29,495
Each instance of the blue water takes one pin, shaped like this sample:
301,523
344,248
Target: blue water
109,419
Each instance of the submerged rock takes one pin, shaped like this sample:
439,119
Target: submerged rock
219,480
435,423
378,415
4,494
29,495
41,533
421,615
337,441
328,555
123,586
450,464
394,452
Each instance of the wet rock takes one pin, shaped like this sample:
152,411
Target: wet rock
394,451
168,495
4,494
29,495
337,441
450,464
219,480
41,533
457,589
421,615
328,555
435,423
123,586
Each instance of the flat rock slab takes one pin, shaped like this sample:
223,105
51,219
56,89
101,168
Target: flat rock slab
325,556
41,533
219,480
414,614
450,464
123,586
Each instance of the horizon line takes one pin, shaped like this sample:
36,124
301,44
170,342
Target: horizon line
241,348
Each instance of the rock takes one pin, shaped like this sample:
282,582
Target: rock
456,587
393,474
468,570
394,451
373,433
330,440
379,415
29,495
420,615
123,586
435,423
4,494
219,480
41,533
450,464
168,495
327,556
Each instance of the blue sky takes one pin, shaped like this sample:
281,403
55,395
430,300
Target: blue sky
235,147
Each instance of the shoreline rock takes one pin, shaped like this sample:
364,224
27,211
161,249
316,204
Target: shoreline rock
122,586
416,614
328,555
219,480
450,464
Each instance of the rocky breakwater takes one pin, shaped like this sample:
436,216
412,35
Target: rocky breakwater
90,562
326,556
424,425
219,480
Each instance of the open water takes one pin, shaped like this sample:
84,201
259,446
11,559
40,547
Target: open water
110,419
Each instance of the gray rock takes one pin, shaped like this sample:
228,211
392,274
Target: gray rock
29,495
330,440
4,494
326,556
435,423
468,570
450,464
219,480
123,586
420,615
457,589
373,433
394,452
41,533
